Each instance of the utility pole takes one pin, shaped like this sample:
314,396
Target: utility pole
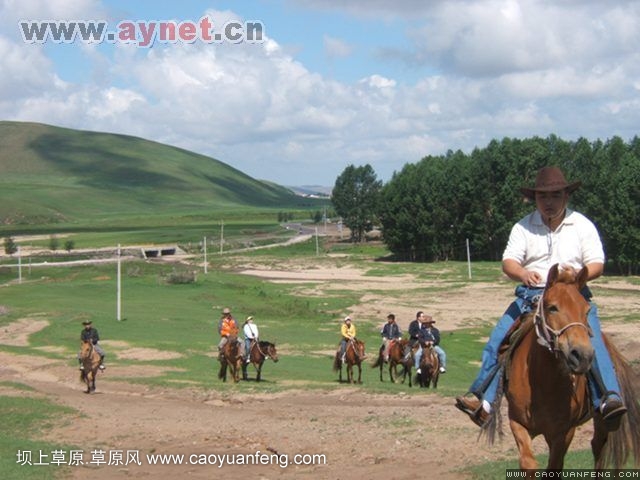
118,289
469,258
221,235
19,266
205,255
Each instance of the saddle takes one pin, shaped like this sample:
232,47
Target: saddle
514,334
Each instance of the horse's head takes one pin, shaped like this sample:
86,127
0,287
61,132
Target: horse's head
359,348
86,347
271,352
561,323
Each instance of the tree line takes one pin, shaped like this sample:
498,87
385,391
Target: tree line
428,210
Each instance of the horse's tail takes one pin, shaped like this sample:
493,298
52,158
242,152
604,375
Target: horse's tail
625,440
336,362
378,362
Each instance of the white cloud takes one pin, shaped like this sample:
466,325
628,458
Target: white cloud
495,68
336,48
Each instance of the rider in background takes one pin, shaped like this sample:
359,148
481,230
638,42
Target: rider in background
250,331
414,336
348,332
227,327
552,234
430,334
90,333
390,332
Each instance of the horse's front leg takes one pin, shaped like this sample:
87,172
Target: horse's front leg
599,439
524,443
259,371
359,373
558,446
236,370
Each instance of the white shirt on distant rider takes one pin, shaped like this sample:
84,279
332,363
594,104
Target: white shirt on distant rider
533,245
250,330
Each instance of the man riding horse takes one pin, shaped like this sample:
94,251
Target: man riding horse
552,234
348,333
90,333
227,327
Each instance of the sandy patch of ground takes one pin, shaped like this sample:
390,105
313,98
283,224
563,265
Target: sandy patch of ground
17,333
123,350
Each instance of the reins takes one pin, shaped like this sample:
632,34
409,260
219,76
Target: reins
547,336
266,355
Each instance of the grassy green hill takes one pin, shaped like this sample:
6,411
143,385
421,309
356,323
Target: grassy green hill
53,175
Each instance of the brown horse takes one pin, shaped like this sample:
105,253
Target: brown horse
429,367
230,357
397,357
258,353
90,360
354,355
547,388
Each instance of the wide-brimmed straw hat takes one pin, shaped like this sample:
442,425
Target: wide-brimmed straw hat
550,179
87,322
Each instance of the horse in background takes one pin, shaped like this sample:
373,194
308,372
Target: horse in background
230,358
546,384
258,353
90,360
354,354
429,367
397,357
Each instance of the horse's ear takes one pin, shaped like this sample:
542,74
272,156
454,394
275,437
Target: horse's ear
552,277
582,278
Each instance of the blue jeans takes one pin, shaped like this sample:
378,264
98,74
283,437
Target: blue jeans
442,356
489,375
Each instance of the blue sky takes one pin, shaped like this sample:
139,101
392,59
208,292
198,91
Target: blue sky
336,82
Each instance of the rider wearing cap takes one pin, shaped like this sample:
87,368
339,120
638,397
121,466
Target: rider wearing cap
250,331
430,334
226,327
552,234
90,333
348,332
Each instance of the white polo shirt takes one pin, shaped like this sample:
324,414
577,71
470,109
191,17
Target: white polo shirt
533,245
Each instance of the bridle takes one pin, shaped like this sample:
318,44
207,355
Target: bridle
354,345
90,351
547,336
264,354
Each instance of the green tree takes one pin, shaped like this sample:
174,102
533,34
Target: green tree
69,245
10,246
355,198
54,243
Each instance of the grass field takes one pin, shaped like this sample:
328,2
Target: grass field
182,319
